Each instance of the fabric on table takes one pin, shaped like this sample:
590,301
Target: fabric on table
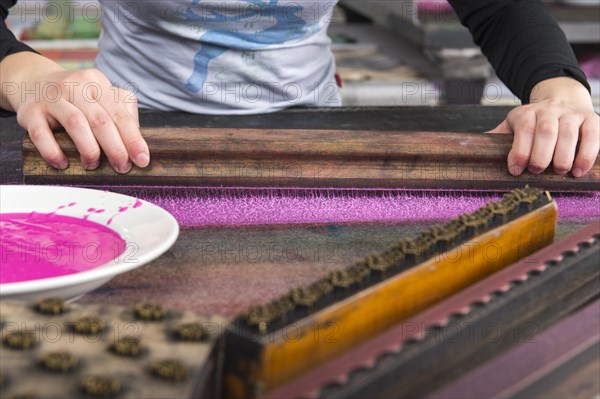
199,207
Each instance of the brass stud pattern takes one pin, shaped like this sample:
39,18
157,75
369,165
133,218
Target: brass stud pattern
149,311
62,362
342,279
20,339
305,296
50,306
416,249
88,325
100,385
128,346
169,369
193,332
263,314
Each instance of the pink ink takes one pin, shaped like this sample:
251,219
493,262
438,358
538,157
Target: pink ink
92,211
60,207
36,246
122,209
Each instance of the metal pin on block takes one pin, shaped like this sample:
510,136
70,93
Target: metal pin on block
127,346
149,311
62,362
87,325
20,339
50,306
100,385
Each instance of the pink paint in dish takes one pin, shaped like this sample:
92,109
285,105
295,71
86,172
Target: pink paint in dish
37,245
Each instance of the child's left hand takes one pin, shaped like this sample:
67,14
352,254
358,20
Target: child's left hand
547,130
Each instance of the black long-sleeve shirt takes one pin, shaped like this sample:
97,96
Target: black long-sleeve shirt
8,43
520,38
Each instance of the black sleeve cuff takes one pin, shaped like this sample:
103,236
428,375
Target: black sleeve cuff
550,72
10,45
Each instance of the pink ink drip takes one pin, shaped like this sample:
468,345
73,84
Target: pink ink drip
92,211
60,207
122,209
36,246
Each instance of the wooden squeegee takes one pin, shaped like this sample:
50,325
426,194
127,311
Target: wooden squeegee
276,342
311,159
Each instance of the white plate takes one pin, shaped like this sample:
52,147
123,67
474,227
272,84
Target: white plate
148,230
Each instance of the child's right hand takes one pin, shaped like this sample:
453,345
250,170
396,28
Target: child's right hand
96,115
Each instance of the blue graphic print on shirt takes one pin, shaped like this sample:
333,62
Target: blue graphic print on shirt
288,26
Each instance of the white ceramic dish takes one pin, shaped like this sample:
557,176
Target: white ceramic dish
148,230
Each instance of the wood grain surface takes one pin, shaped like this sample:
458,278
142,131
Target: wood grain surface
311,158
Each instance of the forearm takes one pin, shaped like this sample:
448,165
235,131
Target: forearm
522,41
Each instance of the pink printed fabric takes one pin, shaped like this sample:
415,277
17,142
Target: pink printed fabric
590,65
196,207
433,5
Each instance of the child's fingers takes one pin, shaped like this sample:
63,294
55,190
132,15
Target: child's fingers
523,125
125,116
76,124
129,128
502,128
35,121
568,136
104,130
544,142
131,104
589,147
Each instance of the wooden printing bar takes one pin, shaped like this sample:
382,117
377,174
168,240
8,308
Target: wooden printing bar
438,345
310,158
265,351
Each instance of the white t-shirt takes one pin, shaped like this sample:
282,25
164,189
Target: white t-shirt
220,56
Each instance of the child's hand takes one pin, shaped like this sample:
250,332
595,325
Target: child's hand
95,114
548,129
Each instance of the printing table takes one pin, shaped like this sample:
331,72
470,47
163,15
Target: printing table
225,269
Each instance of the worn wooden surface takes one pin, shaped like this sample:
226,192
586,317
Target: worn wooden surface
512,315
448,313
277,357
310,158
561,362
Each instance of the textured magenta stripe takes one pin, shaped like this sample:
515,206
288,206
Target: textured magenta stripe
223,207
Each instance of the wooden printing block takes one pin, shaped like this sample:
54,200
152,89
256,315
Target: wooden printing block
310,158
274,343
434,350
50,350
